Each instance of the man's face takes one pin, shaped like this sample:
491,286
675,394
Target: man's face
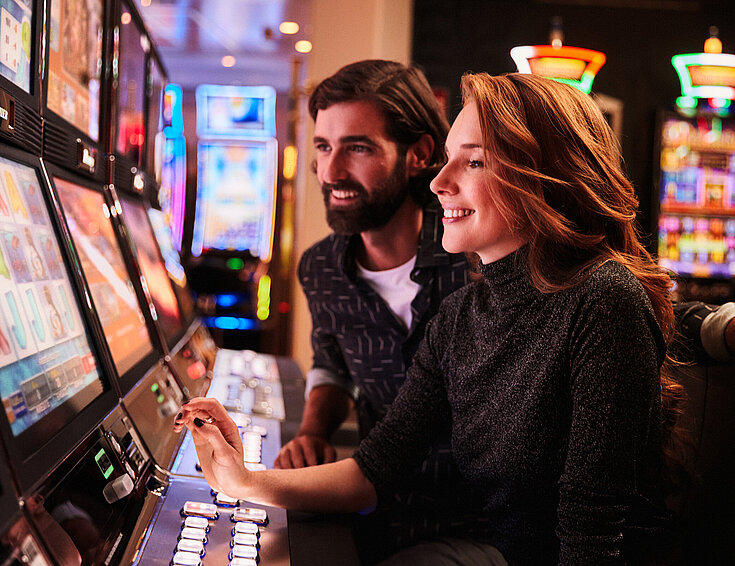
362,172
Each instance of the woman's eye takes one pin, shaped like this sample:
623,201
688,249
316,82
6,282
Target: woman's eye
476,164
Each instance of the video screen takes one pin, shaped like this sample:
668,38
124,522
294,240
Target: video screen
697,196
16,37
235,197
75,63
131,91
154,135
153,269
172,261
236,111
46,360
104,269
172,194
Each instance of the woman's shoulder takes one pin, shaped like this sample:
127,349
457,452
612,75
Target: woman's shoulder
613,287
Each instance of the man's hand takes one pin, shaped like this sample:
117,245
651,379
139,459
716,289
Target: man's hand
305,450
218,444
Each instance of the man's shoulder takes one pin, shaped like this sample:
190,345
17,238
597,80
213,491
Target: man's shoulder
324,256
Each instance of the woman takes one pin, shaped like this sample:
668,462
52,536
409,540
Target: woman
547,370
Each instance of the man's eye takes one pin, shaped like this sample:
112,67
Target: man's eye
321,147
359,148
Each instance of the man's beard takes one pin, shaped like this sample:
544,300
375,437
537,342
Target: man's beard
369,210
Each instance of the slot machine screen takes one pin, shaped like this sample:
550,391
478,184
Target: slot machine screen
16,41
48,372
172,261
131,89
154,135
236,111
104,268
696,221
75,63
153,268
235,197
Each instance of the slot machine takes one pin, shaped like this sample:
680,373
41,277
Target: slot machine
234,220
695,185
20,96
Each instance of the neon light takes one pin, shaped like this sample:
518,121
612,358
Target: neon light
235,263
173,113
574,66
264,297
706,75
231,323
227,300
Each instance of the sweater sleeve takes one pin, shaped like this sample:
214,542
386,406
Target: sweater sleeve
616,349
419,413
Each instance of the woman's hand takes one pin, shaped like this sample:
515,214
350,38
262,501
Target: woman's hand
218,444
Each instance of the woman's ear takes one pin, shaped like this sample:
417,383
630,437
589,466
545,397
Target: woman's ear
418,156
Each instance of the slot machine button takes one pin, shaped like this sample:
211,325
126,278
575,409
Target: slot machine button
237,561
244,539
192,533
246,528
183,558
251,514
225,501
199,509
254,466
244,551
189,545
197,523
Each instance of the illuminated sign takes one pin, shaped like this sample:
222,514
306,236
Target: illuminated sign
574,66
705,75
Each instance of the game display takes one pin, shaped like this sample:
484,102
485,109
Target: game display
235,197
75,63
697,196
153,268
104,268
236,111
131,131
16,20
46,362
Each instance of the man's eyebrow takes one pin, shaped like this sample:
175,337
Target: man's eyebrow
358,138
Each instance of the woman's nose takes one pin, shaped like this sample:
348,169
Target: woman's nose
442,183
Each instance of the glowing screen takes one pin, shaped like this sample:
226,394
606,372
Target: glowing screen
235,190
45,354
106,274
697,201
75,63
236,111
16,35
130,126
153,268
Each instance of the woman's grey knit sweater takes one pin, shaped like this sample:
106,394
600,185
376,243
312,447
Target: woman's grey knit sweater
553,401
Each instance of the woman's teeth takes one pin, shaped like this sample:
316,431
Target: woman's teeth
457,212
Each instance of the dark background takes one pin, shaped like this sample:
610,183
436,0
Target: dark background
638,37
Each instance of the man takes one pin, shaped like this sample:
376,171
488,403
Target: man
376,281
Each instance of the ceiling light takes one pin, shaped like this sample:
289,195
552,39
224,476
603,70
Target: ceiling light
125,18
228,61
145,3
288,28
303,46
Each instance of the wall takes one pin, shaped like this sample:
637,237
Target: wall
342,32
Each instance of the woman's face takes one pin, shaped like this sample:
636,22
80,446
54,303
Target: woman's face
472,222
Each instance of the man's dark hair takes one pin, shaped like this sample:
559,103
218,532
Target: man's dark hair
402,93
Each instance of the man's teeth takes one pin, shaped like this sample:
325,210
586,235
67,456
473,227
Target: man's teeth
340,194
457,212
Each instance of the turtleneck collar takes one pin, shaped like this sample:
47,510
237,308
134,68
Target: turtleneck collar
509,279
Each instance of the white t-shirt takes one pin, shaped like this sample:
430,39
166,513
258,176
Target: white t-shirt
395,287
